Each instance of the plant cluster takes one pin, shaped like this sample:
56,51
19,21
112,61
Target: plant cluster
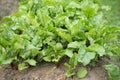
48,30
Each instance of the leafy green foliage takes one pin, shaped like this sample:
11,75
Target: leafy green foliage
72,65
48,30
113,71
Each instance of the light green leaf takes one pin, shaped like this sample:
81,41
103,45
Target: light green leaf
32,62
85,57
90,11
30,46
71,65
32,20
97,48
82,72
47,58
59,46
74,44
18,46
67,65
113,71
74,60
4,42
4,59
70,72
65,36
8,61
69,53
22,66
25,55
73,4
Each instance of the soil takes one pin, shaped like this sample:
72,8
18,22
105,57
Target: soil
48,71
43,70
7,7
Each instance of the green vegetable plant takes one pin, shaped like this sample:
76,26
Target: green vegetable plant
48,30
113,71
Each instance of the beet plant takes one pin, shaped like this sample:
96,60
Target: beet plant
49,30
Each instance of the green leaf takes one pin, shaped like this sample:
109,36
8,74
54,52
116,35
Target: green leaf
30,47
73,4
18,46
74,44
22,66
5,59
85,57
32,62
59,46
64,35
33,21
113,71
69,53
82,72
47,58
4,42
72,64
48,30
115,49
8,61
97,48
74,60
25,55
70,72
67,65
90,11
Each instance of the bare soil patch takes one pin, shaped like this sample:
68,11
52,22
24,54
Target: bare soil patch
7,7
49,71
